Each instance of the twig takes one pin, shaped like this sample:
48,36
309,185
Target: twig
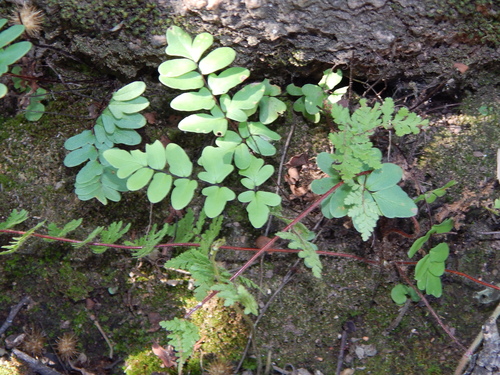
280,169
286,279
434,314
477,341
398,319
94,319
13,312
34,364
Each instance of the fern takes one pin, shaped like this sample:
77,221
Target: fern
17,242
363,210
232,294
15,217
110,235
149,241
55,231
183,336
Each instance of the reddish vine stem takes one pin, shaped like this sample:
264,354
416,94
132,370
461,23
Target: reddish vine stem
427,304
268,245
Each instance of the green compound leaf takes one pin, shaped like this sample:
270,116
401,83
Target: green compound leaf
216,167
256,173
119,108
92,170
330,79
430,267
444,227
217,197
242,156
79,140
176,67
54,231
204,123
9,35
314,97
363,210
130,121
126,162
439,253
159,187
232,294
124,136
226,80
80,155
183,193
194,101
130,91
400,292
270,109
14,52
294,90
394,202
187,81
178,160
181,44
385,177
217,59
155,154
139,179
258,210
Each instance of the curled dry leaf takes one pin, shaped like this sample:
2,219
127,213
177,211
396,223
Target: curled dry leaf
167,356
298,160
262,241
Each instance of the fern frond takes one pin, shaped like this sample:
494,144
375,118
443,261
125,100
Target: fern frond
149,241
17,242
89,238
363,211
110,235
55,231
15,217
183,336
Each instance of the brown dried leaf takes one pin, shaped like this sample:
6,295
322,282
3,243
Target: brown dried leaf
167,356
462,68
298,160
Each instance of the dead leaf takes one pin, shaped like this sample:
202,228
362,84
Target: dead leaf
462,68
154,320
262,241
293,176
298,160
167,356
150,117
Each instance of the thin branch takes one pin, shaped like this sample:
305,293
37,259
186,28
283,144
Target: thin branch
13,312
431,310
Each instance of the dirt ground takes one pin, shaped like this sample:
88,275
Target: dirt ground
112,303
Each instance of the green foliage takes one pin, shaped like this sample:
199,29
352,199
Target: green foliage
314,98
149,241
300,238
55,231
15,217
168,170
365,198
400,294
444,227
429,268
431,196
17,242
10,53
116,125
183,336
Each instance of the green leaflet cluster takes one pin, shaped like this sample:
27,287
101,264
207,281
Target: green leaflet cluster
209,75
314,98
9,54
429,269
365,198
117,124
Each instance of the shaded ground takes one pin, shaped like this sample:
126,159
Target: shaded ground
301,328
